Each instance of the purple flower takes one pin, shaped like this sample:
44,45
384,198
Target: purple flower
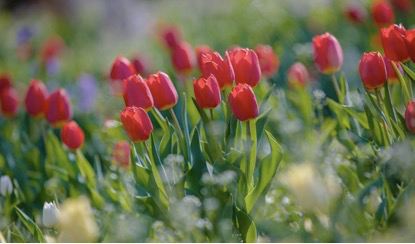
87,92
24,34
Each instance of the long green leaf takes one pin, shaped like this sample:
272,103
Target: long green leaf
30,225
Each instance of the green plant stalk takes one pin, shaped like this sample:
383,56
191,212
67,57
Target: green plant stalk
176,123
211,114
336,86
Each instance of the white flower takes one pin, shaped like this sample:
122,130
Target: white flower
50,215
6,186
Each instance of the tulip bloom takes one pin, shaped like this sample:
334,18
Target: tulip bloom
410,116
356,14
35,98
390,71
243,102
297,75
220,68
9,101
183,57
136,123
72,135
5,81
53,46
382,13
328,54
50,216
136,93
245,64
268,61
403,5
393,41
121,69
140,65
58,108
121,154
171,36
200,51
207,92
163,91
410,43
372,71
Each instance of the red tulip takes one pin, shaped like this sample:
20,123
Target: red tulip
35,98
207,92
356,14
183,57
390,71
5,81
410,116
121,69
243,102
328,54
245,64
221,69
372,71
136,93
297,75
8,101
403,5
140,65
72,135
382,13
58,108
268,61
51,48
410,43
136,123
171,36
121,153
393,41
200,50
163,91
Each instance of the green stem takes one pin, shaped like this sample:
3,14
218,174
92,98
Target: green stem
336,85
211,114
378,97
176,122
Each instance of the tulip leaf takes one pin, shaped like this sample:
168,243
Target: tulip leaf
265,98
164,124
199,167
261,121
246,226
358,115
185,124
156,165
30,225
402,81
338,110
408,71
388,103
56,155
86,169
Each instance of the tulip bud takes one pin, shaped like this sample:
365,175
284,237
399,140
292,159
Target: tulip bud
268,61
245,64
121,69
410,116
403,5
121,154
141,65
171,36
207,92
35,98
297,75
163,91
200,51
50,215
58,108
243,102
393,41
183,57
136,123
9,101
53,46
390,71
6,186
72,135
328,54
356,14
410,43
136,93
372,71
222,69
382,13
5,81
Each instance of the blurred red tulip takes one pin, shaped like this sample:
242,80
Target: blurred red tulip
121,154
297,75
207,92
183,58
221,69
382,13
410,116
245,64
136,123
328,54
372,71
163,91
58,108
72,135
35,98
243,102
5,81
140,65
171,36
9,101
121,69
268,61
233,48
136,93
393,41
356,14
200,50
410,43
403,5
52,47
390,71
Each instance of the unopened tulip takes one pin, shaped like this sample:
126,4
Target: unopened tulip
9,101
268,61
50,216
372,71
72,135
328,54
121,69
200,51
297,75
410,116
35,98
58,108
356,14
171,36
136,93
183,58
136,123
207,92
163,91
245,64
141,64
6,186
121,154
53,46
221,68
410,43
403,5
382,13
390,71
5,81
243,102
394,45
